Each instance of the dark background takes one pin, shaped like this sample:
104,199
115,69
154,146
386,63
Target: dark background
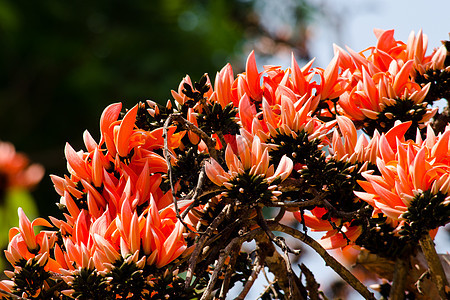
63,62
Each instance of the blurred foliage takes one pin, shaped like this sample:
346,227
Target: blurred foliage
63,62
11,201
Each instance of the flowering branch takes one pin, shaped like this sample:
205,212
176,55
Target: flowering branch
149,200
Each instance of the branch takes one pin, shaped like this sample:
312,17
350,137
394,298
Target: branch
329,260
279,241
318,200
419,281
434,263
224,253
259,264
270,286
229,271
278,266
399,281
199,246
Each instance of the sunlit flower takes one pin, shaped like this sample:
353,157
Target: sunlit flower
25,244
414,168
249,174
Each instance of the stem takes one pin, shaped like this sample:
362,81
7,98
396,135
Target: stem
278,266
201,241
256,269
399,281
210,142
434,263
229,271
224,253
329,260
198,189
169,172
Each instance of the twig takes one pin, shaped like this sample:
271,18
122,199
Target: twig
419,281
290,272
169,172
434,263
279,241
199,246
259,264
313,202
229,271
329,260
278,266
280,214
224,253
217,267
399,281
270,284
221,138
317,200
209,141
340,214
198,189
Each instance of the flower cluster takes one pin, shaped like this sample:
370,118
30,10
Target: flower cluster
179,188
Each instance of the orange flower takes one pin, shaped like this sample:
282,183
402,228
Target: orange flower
24,244
414,167
223,87
251,164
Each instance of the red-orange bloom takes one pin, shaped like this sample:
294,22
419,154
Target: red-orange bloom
407,170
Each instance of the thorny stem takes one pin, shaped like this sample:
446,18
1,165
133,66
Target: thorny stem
169,172
434,263
199,246
399,281
329,260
